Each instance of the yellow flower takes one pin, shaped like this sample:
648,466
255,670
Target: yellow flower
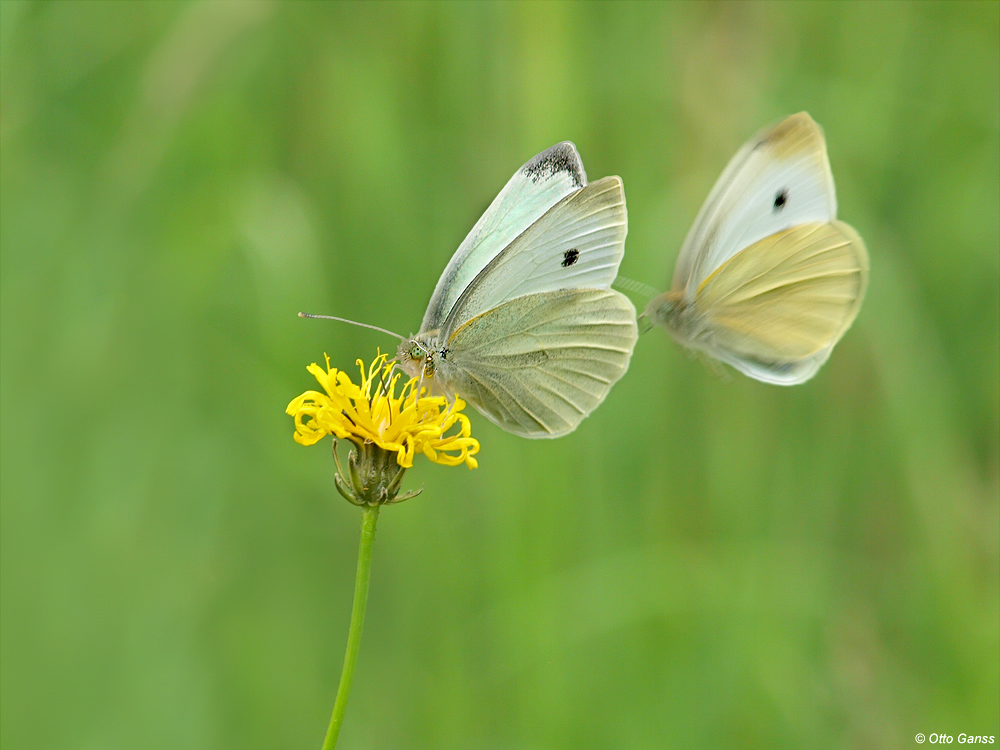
371,413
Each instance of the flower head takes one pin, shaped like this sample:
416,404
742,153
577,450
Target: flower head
372,414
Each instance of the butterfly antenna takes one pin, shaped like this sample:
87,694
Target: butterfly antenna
638,287
352,322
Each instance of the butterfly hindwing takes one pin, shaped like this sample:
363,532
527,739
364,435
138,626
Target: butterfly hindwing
538,364
784,300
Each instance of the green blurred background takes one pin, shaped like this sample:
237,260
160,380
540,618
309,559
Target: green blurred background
705,563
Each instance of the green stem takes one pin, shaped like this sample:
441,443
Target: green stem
368,519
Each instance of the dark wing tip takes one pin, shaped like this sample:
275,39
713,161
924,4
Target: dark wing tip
554,161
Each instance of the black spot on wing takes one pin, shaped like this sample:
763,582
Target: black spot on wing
780,200
560,158
570,257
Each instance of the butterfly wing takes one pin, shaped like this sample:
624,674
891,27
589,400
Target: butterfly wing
538,364
533,190
775,309
577,244
780,178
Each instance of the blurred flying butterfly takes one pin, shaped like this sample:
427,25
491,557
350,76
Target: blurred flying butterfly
523,322
767,279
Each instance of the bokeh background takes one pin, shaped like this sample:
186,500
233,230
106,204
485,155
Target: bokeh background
705,563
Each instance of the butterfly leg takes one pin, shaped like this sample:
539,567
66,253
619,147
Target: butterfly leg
386,378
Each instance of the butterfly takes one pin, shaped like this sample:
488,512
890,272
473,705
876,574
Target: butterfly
767,279
523,323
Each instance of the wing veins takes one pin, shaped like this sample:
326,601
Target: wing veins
554,392
784,284
500,401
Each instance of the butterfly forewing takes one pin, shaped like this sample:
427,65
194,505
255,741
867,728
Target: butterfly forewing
533,190
538,364
577,244
786,298
779,179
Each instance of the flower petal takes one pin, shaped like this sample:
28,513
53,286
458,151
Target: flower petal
406,425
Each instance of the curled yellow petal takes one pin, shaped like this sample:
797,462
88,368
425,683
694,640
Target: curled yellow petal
407,424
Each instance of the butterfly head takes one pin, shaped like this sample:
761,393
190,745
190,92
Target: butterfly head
679,317
665,309
417,358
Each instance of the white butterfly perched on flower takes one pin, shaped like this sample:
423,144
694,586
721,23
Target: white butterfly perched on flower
767,279
523,322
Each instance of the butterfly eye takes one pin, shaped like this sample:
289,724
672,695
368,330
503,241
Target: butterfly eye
570,257
416,352
780,200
